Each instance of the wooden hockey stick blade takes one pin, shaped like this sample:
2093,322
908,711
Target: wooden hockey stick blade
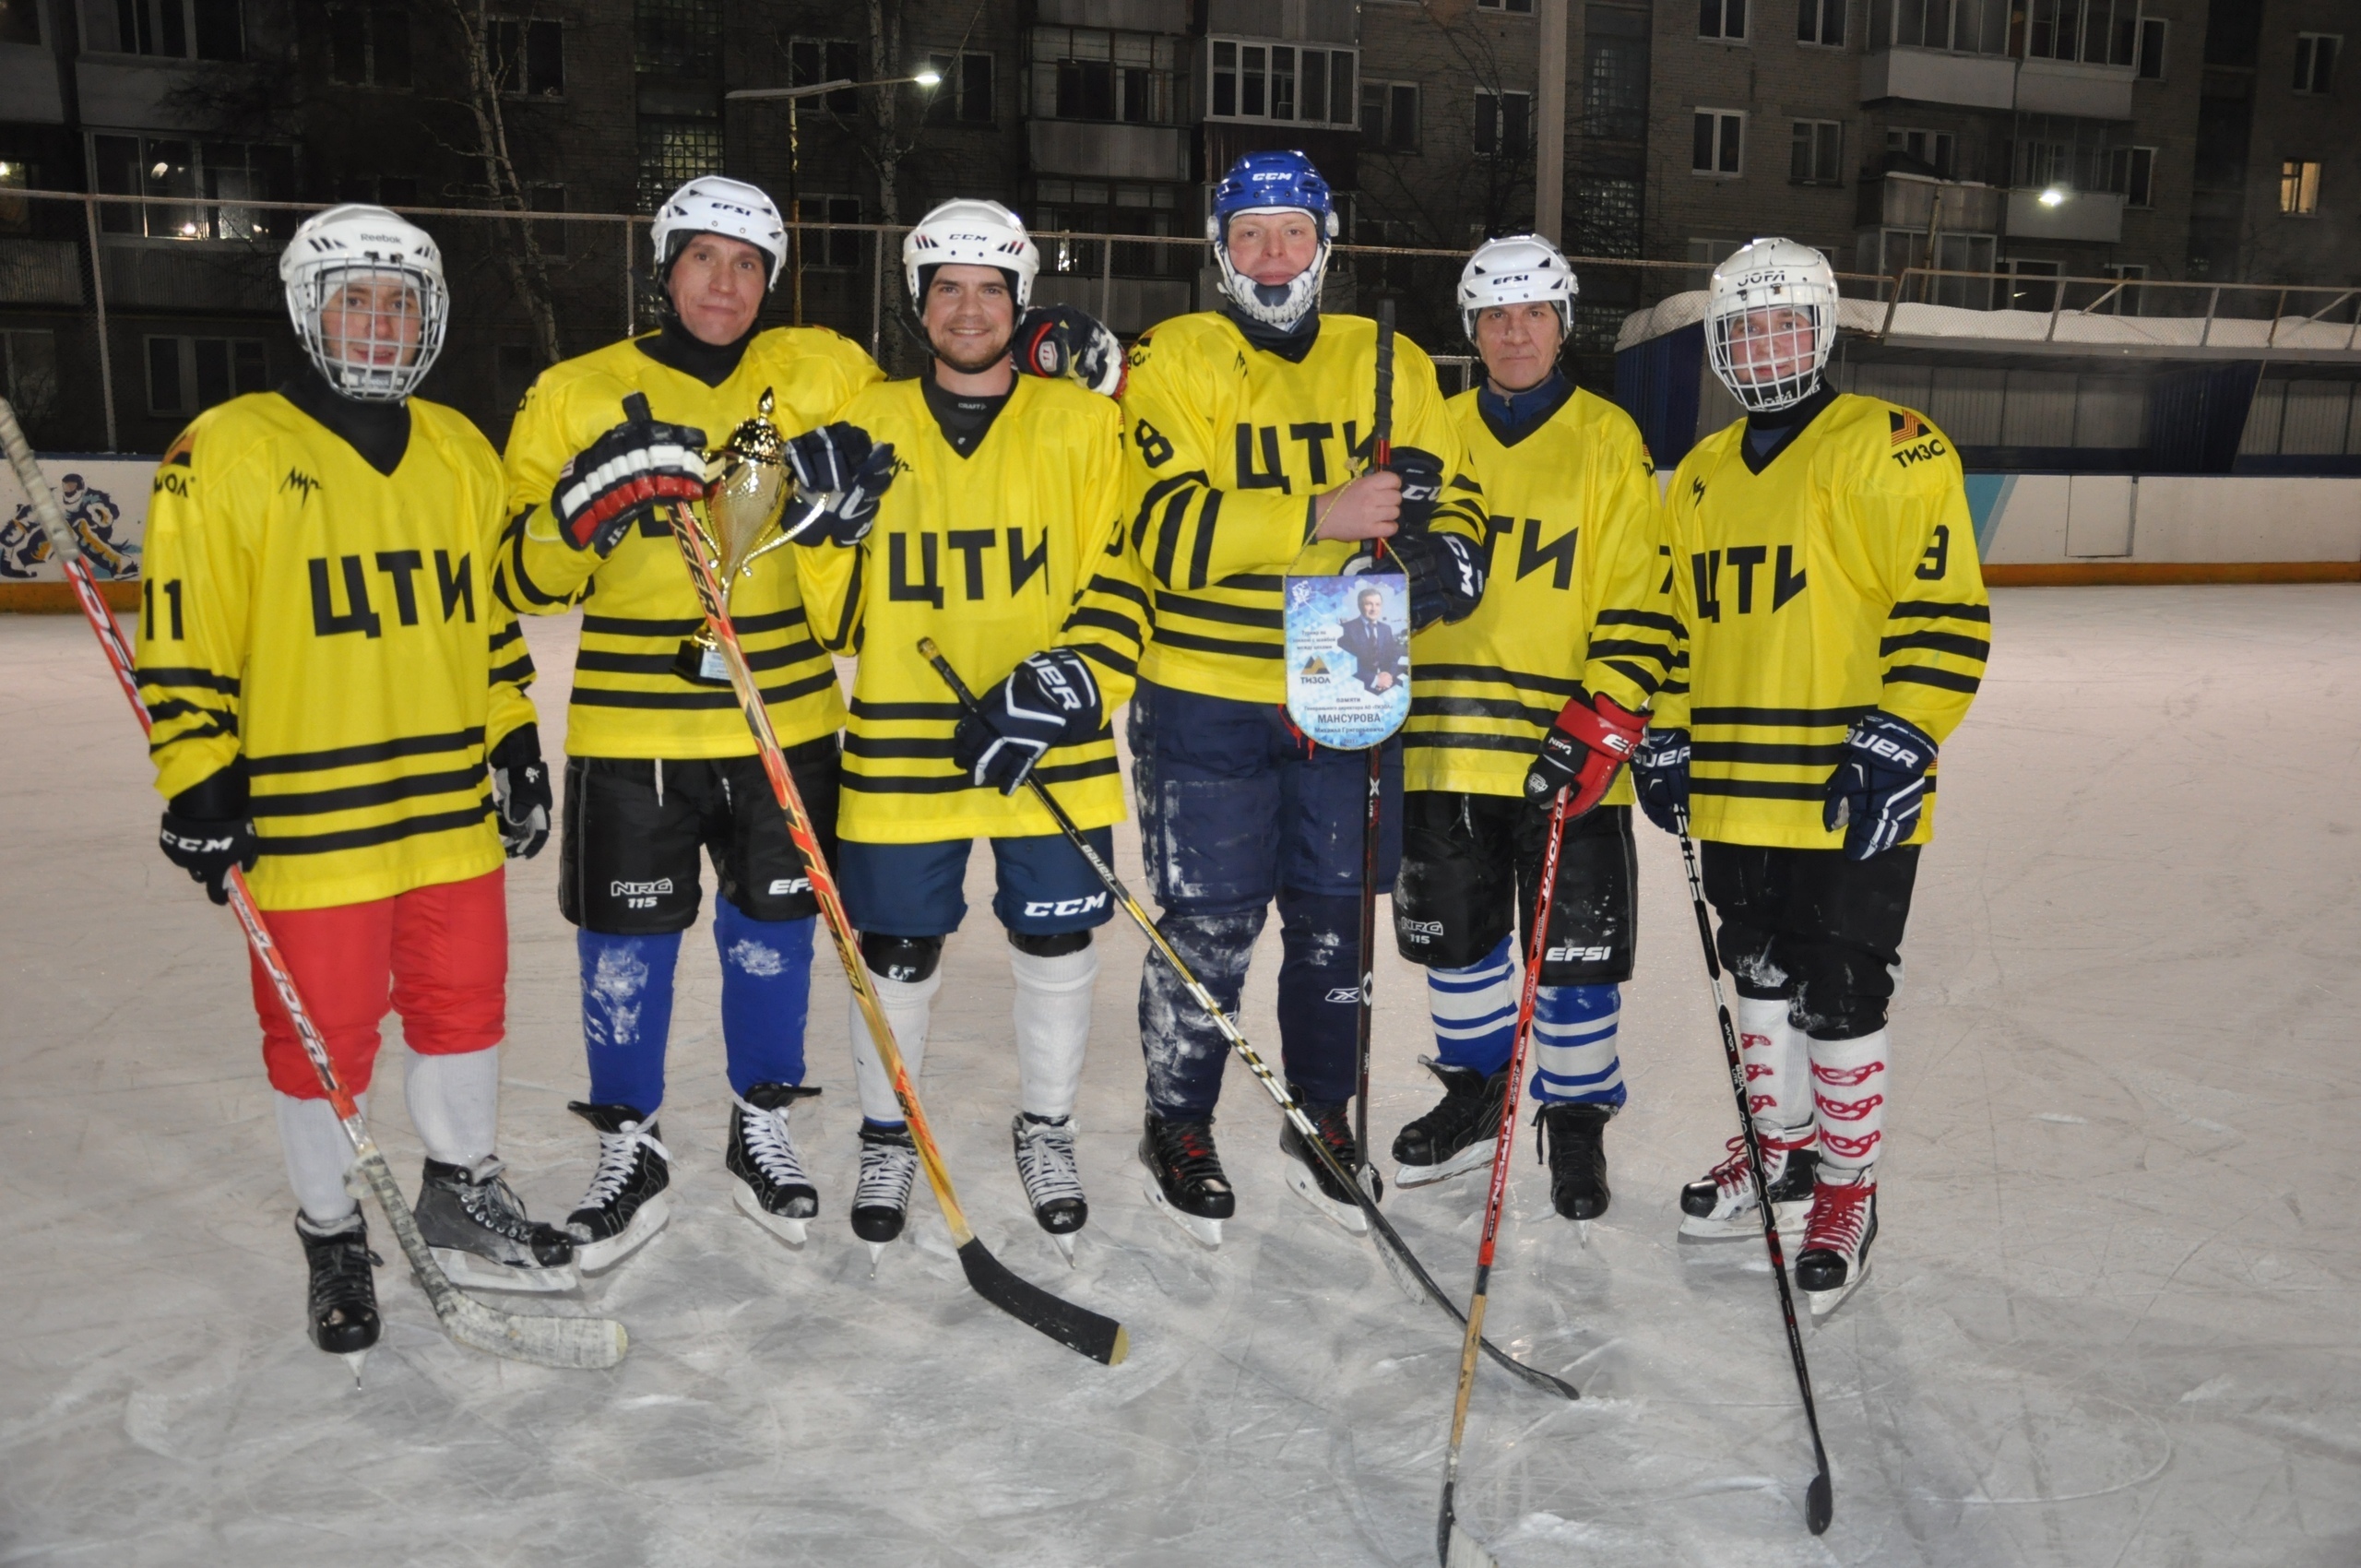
1457,1548
1078,1328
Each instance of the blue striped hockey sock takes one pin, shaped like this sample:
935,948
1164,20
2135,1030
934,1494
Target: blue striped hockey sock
1474,1012
1574,1045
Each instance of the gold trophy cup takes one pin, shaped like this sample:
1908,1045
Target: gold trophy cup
748,485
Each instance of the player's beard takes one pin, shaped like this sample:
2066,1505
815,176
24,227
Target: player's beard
976,360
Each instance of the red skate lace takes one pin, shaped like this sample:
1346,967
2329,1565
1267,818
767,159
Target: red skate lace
1733,1177
1838,1217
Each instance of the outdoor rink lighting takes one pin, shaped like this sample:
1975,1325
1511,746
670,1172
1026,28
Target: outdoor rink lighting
2052,197
928,79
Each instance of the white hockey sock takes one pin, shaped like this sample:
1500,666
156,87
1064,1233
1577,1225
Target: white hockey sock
1575,1059
1772,1051
1052,1014
318,1154
455,1103
1849,1081
906,1005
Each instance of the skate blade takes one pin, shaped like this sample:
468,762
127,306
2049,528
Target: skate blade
1348,1217
1064,1242
355,1359
1825,1303
1475,1157
788,1227
473,1273
1697,1228
596,1257
1205,1232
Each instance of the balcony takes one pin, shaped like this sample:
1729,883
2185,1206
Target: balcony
29,84
1097,150
1127,16
40,272
2087,92
1908,201
1938,75
2093,217
1307,21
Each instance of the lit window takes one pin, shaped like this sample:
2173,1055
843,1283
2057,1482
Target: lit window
2299,188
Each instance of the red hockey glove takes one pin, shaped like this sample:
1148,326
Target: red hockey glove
624,475
1593,737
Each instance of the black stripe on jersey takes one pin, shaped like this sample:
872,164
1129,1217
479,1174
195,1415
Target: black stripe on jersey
891,712
1255,582
381,833
1121,589
1936,610
1107,621
1646,680
1767,754
376,751
1673,689
180,707
506,635
1647,618
1098,653
1757,789
1481,708
1925,675
1781,717
1173,493
661,663
1423,673
517,672
516,564
1941,642
1443,739
747,626
1272,619
600,696
935,748
313,802
1609,649
951,784
181,676
1201,558
1219,644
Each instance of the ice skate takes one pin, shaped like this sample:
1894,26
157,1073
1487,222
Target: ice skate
625,1203
880,1204
1045,1163
1309,1180
1185,1178
1836,1258
342,1304
1720,1208
1456,1135
1573,1139
481,1235
772,1187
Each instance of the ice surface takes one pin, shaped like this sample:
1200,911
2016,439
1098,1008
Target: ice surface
2113,1321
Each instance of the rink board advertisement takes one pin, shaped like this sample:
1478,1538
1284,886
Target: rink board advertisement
105,500
1348,657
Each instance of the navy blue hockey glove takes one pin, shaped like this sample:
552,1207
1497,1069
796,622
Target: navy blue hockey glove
1446,575
638,466
1878,789
206,830
1048,700
1421,476
1660,774
520,792
1592,738
840,477
1054,341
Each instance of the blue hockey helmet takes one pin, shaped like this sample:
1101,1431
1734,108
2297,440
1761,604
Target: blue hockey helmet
1273,182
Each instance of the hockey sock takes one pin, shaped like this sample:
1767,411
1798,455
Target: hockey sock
318,1154
1772,1051
627,1014
907,1004
1052,1014
765,994
1474,1011
1320,992
1574,1045
1185,1050
455,1103
1849,1078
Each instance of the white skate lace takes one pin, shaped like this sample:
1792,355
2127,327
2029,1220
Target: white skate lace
1045,1161
618,1157
1839,1215
487,1199
885,1173
772,1148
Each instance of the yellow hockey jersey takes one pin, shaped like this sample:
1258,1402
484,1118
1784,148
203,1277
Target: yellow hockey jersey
1229,445
637,603
1015,548
1840,579
1576,596
335,626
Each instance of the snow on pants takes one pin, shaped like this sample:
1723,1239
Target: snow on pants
438,956
1238,810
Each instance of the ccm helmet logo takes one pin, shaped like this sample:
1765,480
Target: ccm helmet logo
1039,909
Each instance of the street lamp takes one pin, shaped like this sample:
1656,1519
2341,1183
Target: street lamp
926,78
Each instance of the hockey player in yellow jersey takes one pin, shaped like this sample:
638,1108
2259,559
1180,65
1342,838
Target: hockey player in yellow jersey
1540,688
1250,432
1836,628
1002,540
332,686
660,762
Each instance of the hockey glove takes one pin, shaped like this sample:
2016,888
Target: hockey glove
206,830
520,792
1593,737
1877,791
1048,700
1446,574
839,478
1660,773
1054,341
624,475
1421,476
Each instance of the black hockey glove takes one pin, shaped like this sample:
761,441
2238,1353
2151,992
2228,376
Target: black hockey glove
1660,773
1446,575
624,475
1054,341
1593,737
206,830
840,478
520,792
1877,791
1051,699
1421,475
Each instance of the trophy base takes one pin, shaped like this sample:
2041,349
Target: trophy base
701,664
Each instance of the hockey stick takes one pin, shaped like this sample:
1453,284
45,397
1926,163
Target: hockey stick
587,1342
1819,1499
1294,1112
1454,1546
1380,442
1078,1328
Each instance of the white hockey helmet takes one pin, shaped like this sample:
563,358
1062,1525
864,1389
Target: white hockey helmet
357,243
711,204
1748,294
1516,269
966,232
